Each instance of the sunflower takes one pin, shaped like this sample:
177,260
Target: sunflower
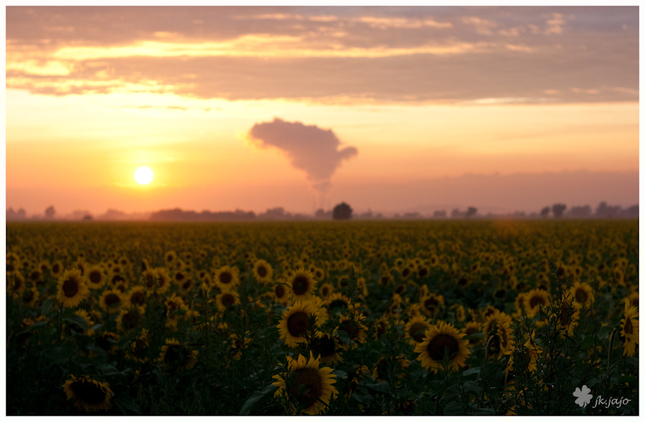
174,307
629,329
379,327
582,294
95,277
415,330
568,317
170,258
263,271
88,322
174,355
89,394
432,352
226,278
533,300
295,323
184,280
470,329
129,319
432,304
163,280
15,283
72,288
57,268
149,278
29,296
111,301
237,346
137,297
139,348
353,327
306,386
499,326
326,347
337,302
302,284
319,273
227,299
400,364
325,290
281,293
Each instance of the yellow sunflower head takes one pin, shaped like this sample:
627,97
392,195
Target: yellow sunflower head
582,294
29,296
96,277
326,290
88,394
129,319
302,284
72,288
263,271
294,323
226,278
281,293
306,386
415,330
443,342
337,302
629,329
111,301
175,356
326,347
432,304
226,299
534,300
137,297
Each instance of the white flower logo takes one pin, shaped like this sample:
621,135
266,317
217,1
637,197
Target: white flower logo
583,396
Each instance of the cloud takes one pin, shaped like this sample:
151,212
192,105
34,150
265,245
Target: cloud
322,54
312,149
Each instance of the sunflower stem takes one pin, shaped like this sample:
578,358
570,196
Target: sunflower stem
611,346
488,347
60,323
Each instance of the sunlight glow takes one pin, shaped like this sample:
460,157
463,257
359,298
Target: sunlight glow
143,175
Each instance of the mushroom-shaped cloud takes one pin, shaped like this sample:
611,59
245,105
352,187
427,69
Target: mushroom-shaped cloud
308,147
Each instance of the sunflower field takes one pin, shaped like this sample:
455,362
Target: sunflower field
332,318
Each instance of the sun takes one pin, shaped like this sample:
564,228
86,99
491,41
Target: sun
143,175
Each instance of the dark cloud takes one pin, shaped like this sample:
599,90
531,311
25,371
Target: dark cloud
312,149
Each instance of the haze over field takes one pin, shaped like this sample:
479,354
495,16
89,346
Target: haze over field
393,109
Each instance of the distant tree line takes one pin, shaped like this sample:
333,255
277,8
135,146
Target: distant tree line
342,211
602,211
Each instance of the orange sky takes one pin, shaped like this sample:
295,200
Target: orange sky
253,107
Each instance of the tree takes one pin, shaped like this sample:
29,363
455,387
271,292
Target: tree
50,212
580,212
545,212
439,214
471,212
342,211
558,210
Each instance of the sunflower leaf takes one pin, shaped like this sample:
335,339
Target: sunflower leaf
76,319
47,305
124,403
381,387
453,408
256,398
472,371
32,326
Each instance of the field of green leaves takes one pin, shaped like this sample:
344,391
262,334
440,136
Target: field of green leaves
333,318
